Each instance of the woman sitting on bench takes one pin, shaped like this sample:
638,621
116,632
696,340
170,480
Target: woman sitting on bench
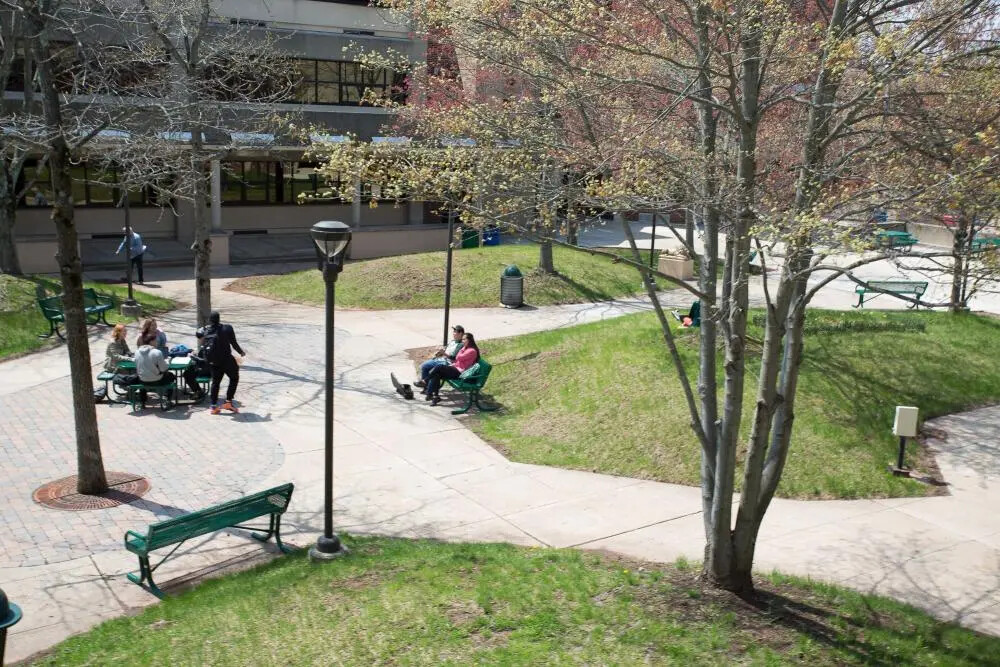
465,359
117,350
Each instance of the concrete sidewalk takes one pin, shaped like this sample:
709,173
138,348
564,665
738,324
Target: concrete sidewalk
405,468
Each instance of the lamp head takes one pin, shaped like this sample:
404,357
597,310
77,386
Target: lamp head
331,238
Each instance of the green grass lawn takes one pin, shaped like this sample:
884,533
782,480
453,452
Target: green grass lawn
605,397
428,603
21,321
417,281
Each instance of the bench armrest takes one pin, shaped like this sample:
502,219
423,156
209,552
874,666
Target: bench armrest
132,533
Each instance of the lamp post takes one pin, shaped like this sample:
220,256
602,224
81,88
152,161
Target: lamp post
130,307
331,239
447,273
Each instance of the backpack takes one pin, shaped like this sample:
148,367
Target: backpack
214,349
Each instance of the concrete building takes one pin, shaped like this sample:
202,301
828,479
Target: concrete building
255,192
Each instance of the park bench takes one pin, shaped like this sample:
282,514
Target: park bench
232,514
979,245
471,382
694,313
892,240
166,392
94,307
876,287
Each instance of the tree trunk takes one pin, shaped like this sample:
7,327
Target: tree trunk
545,264
90,465
961,249
202,246
9,262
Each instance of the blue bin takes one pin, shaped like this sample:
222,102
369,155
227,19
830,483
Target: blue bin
491,236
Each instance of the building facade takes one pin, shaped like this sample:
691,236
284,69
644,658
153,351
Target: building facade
256,192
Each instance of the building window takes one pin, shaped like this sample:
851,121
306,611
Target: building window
93,186
346,83
270,182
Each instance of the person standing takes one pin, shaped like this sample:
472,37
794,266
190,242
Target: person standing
136,251
218,343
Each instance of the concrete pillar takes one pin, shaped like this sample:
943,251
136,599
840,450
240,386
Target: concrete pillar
216,197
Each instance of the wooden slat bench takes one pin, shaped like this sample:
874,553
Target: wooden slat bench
875,287
471,385
271,503
95,307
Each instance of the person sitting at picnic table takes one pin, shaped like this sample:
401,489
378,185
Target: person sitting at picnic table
444,355
150,335
197,368
152,367
466,357
117,350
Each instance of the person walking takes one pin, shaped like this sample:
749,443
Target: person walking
136,251
218,343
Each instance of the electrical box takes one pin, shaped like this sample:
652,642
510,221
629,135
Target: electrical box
906,421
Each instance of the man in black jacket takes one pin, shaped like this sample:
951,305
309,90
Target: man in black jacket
218,343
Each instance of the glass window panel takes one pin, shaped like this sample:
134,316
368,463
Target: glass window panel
40,192
79,176
255,178
305,92
351,72
373,77
352,94
232,181
327,93
306,69
328,70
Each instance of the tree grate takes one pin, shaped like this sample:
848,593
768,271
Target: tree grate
123,488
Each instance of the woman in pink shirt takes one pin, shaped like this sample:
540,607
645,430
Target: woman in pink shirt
465,359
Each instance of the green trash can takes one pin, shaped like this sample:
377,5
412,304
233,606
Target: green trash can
470,238
512,287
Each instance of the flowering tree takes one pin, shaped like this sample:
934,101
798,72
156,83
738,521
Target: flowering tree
766,118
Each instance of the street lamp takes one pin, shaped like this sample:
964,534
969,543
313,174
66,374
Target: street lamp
331,238
10,614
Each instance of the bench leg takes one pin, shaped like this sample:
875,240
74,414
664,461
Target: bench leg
468,404
104,318
145,576
483,408
273,529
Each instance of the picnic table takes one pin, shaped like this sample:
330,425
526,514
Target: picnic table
167,392
895,239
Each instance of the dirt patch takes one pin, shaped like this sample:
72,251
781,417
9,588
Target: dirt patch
463,612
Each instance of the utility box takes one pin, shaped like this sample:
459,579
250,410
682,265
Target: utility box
905,425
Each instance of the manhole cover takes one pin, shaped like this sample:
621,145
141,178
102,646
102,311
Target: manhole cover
123,488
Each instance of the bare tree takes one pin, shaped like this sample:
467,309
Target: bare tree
219,80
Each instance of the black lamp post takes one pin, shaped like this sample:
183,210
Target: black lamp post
331,238
447,273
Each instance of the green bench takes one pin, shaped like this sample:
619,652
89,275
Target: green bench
471,384
979,245
694,313
232,514
166,392
893,240
94,307
875,287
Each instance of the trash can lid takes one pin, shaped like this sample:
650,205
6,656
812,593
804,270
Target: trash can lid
512,271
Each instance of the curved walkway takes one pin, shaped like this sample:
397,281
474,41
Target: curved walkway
404,468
